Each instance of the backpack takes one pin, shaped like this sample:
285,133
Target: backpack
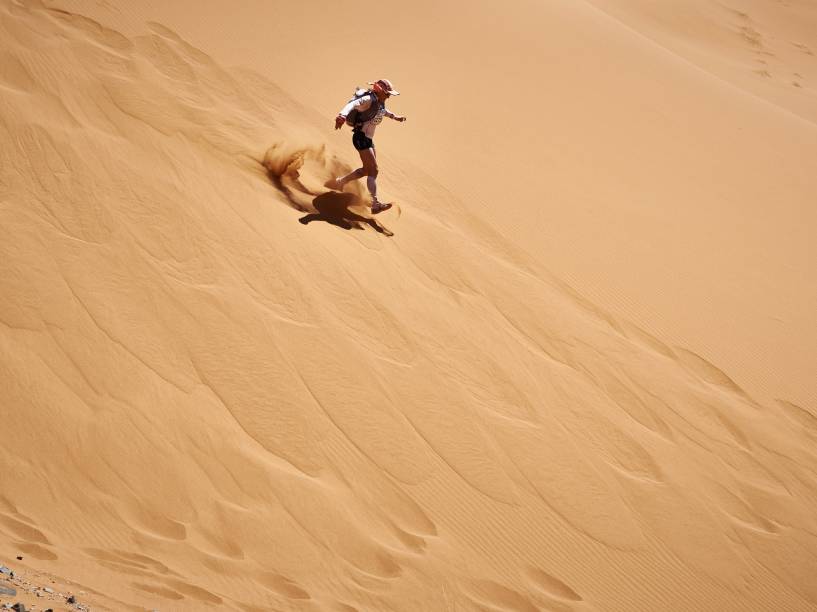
357,118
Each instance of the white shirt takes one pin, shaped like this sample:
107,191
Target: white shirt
363,104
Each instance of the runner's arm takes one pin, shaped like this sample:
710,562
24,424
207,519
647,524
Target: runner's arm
391,115
361,104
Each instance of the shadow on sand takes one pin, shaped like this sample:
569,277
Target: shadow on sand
333,207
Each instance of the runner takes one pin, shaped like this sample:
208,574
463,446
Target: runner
364,112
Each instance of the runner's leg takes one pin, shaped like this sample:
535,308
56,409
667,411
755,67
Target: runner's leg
362,144
367,156
352,176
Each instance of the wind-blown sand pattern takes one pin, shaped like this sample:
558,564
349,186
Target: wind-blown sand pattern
209,405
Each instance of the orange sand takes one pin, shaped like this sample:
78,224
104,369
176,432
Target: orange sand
572,370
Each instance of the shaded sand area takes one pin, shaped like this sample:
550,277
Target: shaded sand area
208,404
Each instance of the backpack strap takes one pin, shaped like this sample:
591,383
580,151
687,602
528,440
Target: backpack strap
371,112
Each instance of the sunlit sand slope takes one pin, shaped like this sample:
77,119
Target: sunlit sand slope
209,405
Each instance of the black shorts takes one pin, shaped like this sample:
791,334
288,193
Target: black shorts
361,141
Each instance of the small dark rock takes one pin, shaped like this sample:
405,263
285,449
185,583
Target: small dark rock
19,559
18,607
72,600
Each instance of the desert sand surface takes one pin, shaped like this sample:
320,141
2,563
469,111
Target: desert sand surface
573,369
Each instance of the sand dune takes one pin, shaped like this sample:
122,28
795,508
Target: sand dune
572,369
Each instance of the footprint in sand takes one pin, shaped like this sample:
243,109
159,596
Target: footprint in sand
414,543
158,590
741,512
22,530
14,75
166,60
283,586
709,372
37,551
129,563
31,541
378,577
193,591
156,525
624,392
90,30
803,48
552,586
220,546
800,416
182,45
489,595
752,36
644,338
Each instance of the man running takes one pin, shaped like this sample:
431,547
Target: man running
365,112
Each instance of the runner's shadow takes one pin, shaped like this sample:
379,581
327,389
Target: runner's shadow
333,207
